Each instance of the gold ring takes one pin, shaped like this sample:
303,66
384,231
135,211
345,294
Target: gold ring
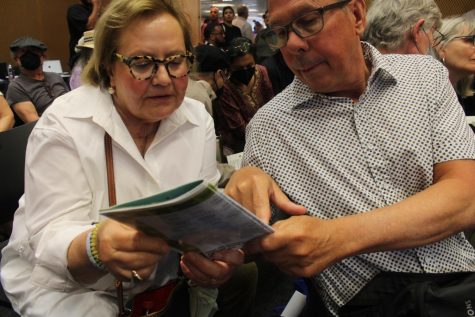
136,276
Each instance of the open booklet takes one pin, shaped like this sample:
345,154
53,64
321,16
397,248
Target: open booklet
192,217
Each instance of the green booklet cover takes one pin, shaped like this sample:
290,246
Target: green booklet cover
192,217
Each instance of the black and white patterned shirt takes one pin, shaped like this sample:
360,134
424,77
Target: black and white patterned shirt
339,158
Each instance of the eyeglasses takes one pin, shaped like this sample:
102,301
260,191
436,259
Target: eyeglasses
145,67
467,39
439,37
304,26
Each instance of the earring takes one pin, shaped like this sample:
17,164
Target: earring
111,90
443,60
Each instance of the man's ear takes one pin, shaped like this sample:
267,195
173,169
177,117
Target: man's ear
416,28
358,8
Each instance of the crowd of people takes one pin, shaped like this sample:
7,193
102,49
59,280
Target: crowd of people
356,149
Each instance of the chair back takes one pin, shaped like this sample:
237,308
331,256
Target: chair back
12,168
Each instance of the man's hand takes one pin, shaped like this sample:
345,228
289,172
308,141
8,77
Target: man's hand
301,245
255,190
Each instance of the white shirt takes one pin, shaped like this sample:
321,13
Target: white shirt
66,185
246,28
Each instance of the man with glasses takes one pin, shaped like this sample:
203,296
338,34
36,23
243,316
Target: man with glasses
34,90
374,157
402,27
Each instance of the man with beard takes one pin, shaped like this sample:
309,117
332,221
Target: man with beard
34,90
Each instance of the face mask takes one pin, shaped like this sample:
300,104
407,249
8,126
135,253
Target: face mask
219,92
30,61
243,75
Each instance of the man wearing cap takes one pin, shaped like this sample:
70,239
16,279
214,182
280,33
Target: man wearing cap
34,90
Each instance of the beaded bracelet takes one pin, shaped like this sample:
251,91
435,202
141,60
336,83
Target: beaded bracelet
91,248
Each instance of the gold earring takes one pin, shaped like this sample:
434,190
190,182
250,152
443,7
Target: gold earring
111,90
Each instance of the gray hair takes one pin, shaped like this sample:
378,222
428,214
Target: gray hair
242,11
389,21
451,27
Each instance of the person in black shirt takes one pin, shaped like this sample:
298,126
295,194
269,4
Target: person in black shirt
81,17
230,31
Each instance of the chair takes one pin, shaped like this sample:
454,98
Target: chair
12,165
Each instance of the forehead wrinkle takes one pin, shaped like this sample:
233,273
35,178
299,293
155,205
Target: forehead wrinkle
291,11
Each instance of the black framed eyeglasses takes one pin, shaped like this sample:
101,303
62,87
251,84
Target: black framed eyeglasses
467,38
438,38
145,67
304,26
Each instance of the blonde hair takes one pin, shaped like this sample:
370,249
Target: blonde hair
119,15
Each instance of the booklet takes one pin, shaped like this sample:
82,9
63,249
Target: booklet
192,217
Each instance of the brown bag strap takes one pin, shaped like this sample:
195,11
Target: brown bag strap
110,169
112,202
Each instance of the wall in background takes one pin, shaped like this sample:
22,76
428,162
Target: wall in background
451,7
42,19
46,21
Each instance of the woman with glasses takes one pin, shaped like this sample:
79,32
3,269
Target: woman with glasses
247,89
454,45
63,258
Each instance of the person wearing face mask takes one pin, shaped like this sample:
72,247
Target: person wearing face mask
34,90
247,89
402,27
206,83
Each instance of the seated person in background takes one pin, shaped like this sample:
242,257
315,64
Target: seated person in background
34,90
263,50
84,48
81,17
279,73
230,31
248,89
403,26
159,140
207,82
214,35
455,48
377,162
7,119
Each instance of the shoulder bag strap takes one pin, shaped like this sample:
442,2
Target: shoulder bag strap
112,202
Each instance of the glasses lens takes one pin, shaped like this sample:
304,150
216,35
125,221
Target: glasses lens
308,24
470,39
276,37
178,66
141,68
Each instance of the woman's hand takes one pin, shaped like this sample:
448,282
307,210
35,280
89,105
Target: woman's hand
123,250
255,190
212,272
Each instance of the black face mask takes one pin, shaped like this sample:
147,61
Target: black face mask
243,75
30,61
219,92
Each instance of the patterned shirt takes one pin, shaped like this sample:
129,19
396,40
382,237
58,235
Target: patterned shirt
339,158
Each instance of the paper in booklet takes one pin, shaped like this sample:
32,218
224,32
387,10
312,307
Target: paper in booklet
192,217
